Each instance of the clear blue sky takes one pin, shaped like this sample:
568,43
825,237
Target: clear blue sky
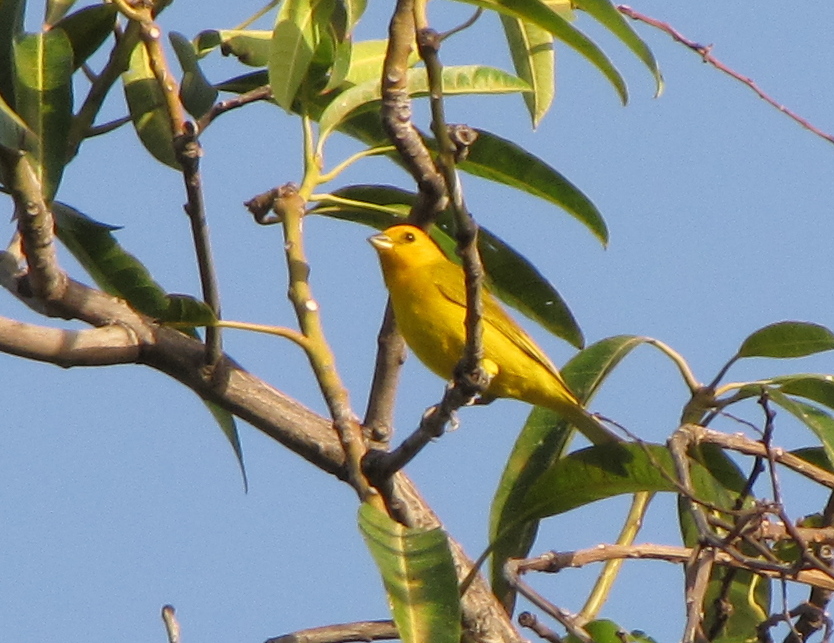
119,494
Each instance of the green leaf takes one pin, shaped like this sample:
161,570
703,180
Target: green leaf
244,83
147,108
497,159
538,13
419,576
787,339
15,135
43,99
467,79
534,61
87,29
196,92
116,271
819,388
11,28
542,441
341,65
815,418
119,273
608,15
56,10
296,37
353,11
249,46
510,276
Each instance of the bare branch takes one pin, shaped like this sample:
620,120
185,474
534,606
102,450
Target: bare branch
342,633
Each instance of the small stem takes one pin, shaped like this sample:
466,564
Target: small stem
685,371
373,151
257,15
365,205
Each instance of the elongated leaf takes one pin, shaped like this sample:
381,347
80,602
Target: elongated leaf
353,11
537,12
244,83
502,161
813,386
87,29
542,441
469,79
296,37
419,576
43,99
119,273
815,418
147,108
607,14
534,61
196,93
787,339
249,46
510,276
11,28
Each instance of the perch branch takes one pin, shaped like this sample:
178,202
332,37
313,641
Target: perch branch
342,633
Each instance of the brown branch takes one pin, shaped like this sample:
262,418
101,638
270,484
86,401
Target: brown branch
705,51
529,621
342,633
390,355
554,562
259,93
94,347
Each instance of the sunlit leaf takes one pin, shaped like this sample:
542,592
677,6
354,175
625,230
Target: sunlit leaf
296,37
15,135
607,14
534,61
353,11
43,99
469,79
538,13
87,30
419,576
147,108
787,339
542,441
196,93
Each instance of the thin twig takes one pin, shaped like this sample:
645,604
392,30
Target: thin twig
705,51
172,626
344,632
259,93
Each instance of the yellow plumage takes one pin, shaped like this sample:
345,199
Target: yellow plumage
429,300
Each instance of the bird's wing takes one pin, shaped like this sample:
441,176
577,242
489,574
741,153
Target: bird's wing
454,290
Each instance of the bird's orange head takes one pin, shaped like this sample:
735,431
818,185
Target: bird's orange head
405,246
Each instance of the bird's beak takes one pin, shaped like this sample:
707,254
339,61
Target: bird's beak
381,241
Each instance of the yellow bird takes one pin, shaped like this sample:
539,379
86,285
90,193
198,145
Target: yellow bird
429,299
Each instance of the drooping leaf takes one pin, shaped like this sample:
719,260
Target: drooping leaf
815,418
608,15
353,11
342,56
542,441
11,28
511,277
787,339
56,10
87,29
467,79
538,13
119,273
249,46
148,112
419,576
534,61
296,37
502,161
196,92
43,99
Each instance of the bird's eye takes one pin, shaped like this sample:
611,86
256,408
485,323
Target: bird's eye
409,236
